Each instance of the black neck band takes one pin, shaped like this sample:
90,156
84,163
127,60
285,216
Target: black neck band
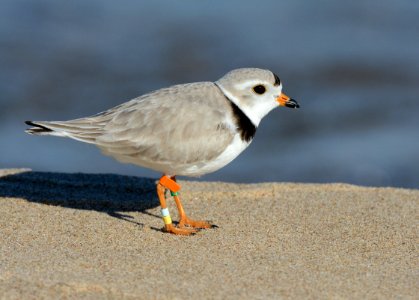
244,125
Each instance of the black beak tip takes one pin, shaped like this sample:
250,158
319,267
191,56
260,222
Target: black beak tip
292,104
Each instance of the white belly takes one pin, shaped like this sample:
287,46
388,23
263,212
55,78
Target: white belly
230,153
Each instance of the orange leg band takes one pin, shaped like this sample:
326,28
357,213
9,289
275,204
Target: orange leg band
169,184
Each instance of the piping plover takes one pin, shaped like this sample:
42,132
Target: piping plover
189,129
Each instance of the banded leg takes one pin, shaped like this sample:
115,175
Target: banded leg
169,227
184,220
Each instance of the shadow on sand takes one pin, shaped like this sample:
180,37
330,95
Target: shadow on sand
107,193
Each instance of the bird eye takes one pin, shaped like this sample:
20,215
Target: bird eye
259,89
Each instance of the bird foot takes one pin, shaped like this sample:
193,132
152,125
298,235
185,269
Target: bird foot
170,228
186,222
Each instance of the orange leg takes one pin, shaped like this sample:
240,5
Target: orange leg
184,220
169,227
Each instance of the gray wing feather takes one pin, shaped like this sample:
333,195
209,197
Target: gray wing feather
180,125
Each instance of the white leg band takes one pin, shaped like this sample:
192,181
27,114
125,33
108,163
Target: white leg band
165,212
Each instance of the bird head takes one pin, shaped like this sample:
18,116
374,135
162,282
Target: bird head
255,91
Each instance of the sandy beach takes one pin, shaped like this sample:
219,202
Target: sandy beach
99,236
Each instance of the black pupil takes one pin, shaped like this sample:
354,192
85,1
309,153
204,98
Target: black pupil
259,89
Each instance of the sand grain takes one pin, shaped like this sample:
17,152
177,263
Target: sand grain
97,236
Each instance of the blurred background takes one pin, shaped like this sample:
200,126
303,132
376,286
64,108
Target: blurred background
353,66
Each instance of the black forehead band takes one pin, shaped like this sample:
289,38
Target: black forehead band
277,81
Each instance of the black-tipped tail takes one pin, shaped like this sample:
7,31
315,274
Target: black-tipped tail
37,128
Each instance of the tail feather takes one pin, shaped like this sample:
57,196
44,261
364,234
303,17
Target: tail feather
84,132
37,129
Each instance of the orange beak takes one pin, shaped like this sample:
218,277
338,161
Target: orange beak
284,100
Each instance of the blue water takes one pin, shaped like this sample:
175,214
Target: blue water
353,67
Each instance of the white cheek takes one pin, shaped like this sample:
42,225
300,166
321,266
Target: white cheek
266,103
259,105
277,90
